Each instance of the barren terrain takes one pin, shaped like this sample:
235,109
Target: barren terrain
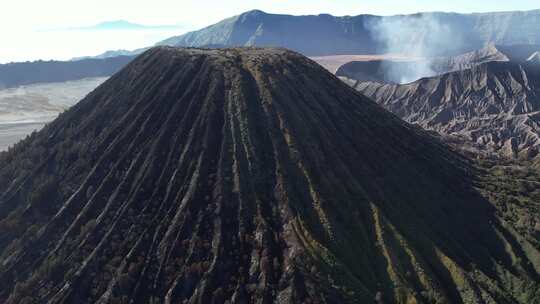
333,62
27,108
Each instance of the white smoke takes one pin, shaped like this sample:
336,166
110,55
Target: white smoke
420,38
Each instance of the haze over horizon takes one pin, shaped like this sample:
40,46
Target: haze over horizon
26,33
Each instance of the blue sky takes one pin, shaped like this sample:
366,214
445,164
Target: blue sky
24,23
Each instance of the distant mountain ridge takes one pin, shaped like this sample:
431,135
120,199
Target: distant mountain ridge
112,53
24,73
116,25
324,34
328,35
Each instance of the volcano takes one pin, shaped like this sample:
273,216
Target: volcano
248,176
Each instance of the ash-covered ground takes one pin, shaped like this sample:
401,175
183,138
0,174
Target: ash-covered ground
28,108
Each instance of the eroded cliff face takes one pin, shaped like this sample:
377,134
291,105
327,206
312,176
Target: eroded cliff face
495,105
248,176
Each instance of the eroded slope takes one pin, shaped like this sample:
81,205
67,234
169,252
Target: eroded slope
496,105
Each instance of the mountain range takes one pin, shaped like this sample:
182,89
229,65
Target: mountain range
119,25
255,176
324,34
25,73
368,34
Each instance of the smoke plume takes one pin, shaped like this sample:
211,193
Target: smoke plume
420,38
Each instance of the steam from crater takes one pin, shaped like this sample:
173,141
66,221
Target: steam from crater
420,38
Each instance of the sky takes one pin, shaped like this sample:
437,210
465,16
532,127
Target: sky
38,29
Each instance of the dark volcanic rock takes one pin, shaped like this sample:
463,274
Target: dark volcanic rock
495,104
247,176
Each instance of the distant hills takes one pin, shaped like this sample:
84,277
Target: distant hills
120,25
112,54
368,34
24,73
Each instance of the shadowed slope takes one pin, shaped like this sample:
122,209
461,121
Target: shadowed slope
247,176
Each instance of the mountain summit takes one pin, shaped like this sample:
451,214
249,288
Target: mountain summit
247,176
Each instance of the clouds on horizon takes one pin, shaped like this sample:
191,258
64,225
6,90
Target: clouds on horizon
67,44
120,25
